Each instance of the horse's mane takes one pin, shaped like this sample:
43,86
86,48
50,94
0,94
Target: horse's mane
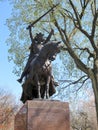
48,47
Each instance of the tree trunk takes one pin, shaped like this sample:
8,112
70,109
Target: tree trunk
94,78
95,89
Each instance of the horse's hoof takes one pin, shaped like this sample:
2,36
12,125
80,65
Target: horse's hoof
39,97
47,96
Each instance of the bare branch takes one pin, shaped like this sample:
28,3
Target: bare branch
83,10
61,32
95,4
82,84
93,12
7,115
72,82
70,16
94,24
85,49
81,3
46,30
64,20
90,38
75,82
78,62
76,13
86,2
81,15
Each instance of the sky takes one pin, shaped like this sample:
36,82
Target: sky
8,80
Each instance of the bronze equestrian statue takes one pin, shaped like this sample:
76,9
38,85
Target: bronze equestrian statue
37,43
38,82
30,89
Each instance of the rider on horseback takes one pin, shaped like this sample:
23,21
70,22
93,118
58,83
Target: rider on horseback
37,43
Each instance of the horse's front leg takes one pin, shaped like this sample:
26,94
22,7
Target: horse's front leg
47,87
38,87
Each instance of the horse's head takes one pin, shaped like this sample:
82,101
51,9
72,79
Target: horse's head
54,49
50,50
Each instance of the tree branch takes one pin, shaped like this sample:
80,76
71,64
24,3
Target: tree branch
73,82
76,13
77,81
81,3
83,8
93,7
85,49
82,84
84,5
78,62
94,24
90,37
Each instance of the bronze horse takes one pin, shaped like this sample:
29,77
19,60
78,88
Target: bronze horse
41,73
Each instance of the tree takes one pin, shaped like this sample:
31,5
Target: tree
77,24
91,35
8,109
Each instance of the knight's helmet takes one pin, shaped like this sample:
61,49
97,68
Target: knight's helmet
39,37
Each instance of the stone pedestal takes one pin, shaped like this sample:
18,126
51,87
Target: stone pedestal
43,115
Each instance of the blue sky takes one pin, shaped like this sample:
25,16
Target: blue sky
8,80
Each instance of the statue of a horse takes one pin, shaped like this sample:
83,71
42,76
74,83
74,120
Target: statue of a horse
41,72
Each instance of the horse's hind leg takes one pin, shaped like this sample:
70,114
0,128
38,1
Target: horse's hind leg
47,87
38,86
